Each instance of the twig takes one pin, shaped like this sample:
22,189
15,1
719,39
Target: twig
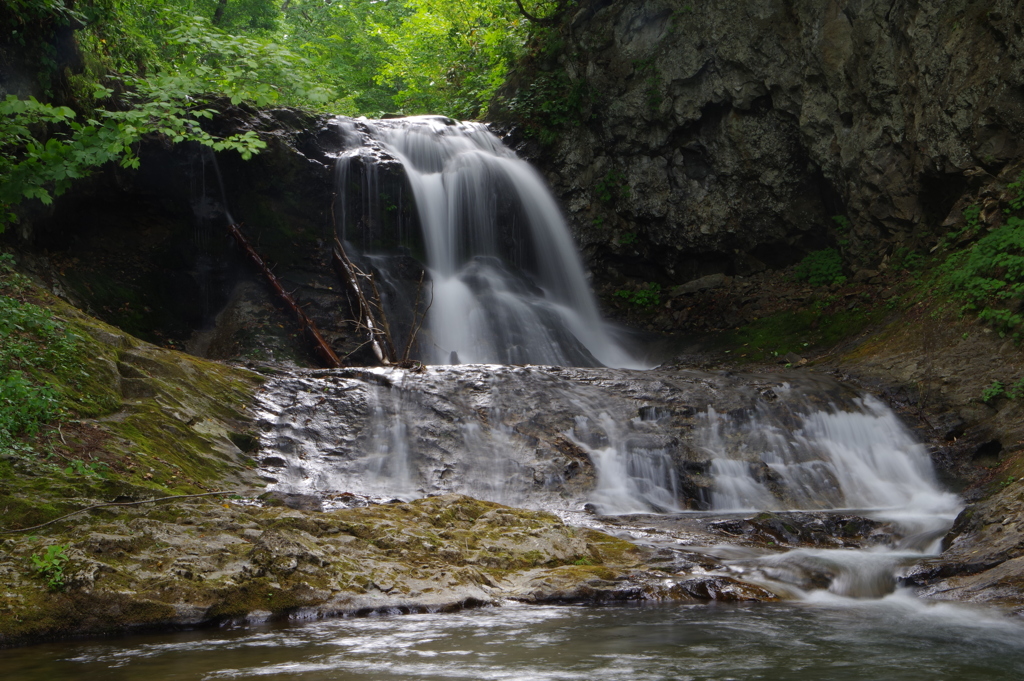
379,340
118,503
357,349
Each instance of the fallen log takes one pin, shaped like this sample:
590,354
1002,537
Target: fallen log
320,346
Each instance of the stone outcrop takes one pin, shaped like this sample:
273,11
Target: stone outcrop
194,562
723,136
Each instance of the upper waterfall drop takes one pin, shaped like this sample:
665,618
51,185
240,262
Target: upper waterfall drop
508,286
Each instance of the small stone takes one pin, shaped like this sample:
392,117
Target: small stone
299,502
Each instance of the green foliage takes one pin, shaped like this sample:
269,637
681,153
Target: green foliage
96,469
648,70
628,238
997,389
28,166
1016,391
1016,196
797,330
904,259
647,296
612,187
50,564
843,224
449,57
24,407
550,104
993,392
32,343
989,277
821,268
200,59
44,147
971,228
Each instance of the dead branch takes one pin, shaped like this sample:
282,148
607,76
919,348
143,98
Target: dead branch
117,503
379,338
383,317
320,346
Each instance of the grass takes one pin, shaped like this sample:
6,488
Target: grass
69,428
797,331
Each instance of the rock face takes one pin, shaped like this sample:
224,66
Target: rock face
148,251
722,137
983,560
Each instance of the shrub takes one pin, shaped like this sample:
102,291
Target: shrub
993,392
646,296
612,187
50,565
31,342
821,268
989,277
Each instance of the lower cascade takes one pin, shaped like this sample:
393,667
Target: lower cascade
681,444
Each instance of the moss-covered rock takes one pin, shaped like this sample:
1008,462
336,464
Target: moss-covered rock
204,561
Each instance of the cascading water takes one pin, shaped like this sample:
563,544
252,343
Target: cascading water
507,282
508,288
656,441
652,441
859,456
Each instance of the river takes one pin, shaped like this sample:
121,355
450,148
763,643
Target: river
897,638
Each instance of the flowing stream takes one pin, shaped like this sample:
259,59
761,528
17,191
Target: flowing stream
646,454
897,638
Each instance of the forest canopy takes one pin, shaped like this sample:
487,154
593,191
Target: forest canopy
85,80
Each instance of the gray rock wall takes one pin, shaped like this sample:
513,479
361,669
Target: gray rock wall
742,126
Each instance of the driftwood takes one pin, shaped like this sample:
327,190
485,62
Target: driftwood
378,330
320,346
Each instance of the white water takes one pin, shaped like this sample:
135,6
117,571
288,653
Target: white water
633,475
858,457
507,282
508,288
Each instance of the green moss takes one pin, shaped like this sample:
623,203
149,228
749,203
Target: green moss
585,573
797,331
52,615
606,549
257,594
20,510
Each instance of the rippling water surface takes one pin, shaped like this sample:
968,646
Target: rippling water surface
897,637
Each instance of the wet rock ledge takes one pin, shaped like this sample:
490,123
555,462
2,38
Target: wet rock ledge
198,562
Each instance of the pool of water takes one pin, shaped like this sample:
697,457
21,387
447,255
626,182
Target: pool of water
827,637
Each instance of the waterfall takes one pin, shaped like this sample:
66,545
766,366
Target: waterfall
507,283
624,441
855,456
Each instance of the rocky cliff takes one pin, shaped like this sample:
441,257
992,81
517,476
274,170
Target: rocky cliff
711,136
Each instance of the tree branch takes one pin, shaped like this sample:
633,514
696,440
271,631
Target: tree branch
553,18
